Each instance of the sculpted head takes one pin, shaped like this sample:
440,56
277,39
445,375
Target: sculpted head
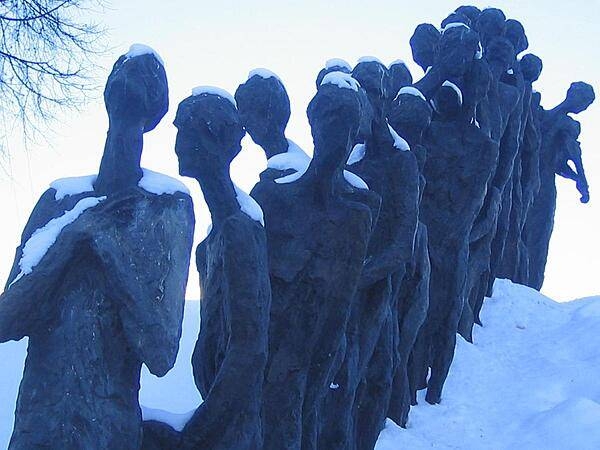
470,12
410,116
455,17
373,77
264,107
136,91
209,133
531,67
333,65
399,76
579,97
448,103
490,24
515,33
456,51
499,53
334,116
423,43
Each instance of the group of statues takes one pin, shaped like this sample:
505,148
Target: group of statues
331,294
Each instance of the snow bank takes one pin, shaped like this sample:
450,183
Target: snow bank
411,91
73,186
141,49
399,142
158,183
341,80
357,154
263,73
42,239
337,62
249,206
206,90
456,89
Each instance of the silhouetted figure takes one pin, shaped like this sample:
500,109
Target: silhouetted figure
236,296
99,279
458,168
317,240
559,145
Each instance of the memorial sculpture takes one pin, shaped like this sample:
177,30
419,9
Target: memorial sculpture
231,351
324,314
99,279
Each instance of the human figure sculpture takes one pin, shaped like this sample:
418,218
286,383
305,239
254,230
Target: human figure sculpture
316,254
410,116
559,145
108,294
391,172
232,343
458,167
333,65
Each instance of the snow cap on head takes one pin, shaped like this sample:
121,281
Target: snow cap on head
366,59
341,80
399,142
337,62
212,90
410,90
455,25
142,49
263,73
397,62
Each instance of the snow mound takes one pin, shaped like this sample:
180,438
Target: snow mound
341,80
177,421
212,90
399,142
263,73
73,186
410,90
337,62
158,183
142,49
43,238
355,180
249,206
450,84
294,158
367,59
357,154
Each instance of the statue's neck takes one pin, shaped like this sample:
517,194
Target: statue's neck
120,165
276,145
219,194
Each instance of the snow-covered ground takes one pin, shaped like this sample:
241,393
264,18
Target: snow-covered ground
531,381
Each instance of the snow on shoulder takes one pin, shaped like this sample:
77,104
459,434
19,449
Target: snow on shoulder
357,154
263,73
73,186
249,206
410,90
399,142
294,159
337,62
43,238
158,183
456,89
341,80
142,49
212,90
355,180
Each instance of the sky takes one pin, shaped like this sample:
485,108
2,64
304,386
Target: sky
218,43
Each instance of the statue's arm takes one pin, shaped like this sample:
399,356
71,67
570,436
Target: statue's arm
146,260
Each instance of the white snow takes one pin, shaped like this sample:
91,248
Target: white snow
479,53
206,90
177,421
334,386
341,80
411,91
510,72
396,62
73,186
42,239
263,73
355,180
456,89
158,183
142,49
357,154
399,142
338,62
249,206
365,59
530,381
455,25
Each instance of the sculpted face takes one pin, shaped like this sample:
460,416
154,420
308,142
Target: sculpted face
423,43
500,53
515,33
374,79
264,108
209,134
579,97
447,102
334,115
137,91
531,67
490,24
399,77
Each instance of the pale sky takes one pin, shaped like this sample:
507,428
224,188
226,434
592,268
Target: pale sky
218,43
